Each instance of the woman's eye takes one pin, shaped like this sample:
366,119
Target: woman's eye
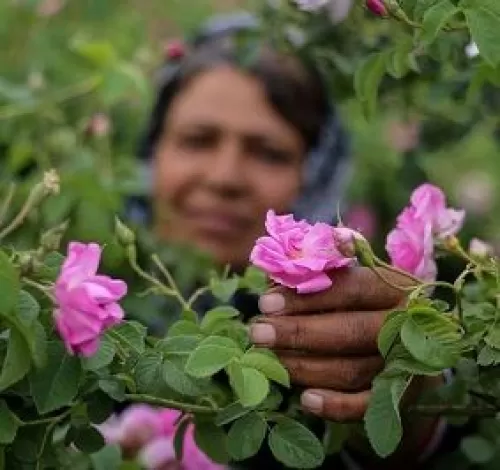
274,156
196,141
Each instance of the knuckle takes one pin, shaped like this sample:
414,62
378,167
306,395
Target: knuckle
298,337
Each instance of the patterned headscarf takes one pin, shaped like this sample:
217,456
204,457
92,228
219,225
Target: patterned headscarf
327,167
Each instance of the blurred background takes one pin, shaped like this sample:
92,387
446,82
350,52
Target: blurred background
76,84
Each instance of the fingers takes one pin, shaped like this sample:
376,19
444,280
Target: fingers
342,333
336,406
352,289
338,373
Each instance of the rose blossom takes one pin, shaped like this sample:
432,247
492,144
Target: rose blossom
297,254
86,301
136,426
430,206
377,7
411,247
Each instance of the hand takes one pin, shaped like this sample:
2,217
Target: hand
328,340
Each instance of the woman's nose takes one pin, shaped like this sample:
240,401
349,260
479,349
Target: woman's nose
225,172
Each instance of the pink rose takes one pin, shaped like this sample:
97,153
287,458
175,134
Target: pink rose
297,254
411,248
137,425
86,301
430,205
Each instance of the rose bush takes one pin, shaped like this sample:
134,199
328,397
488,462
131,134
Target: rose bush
75,110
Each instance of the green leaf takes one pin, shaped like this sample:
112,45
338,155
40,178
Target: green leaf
217,315
432,338
113,387
108,458
390,331
9,285
383,413
246,436
483,18
179,345
255,280
477,449
17,362
9,424
175,377
488,356
180,434
250,385
270,366
294,445
88,440
211,356
148,371
230,413
225,289
52,263
184,328
189,315
367,80
212,440
28,308
435,19
103,357
131,335
56,384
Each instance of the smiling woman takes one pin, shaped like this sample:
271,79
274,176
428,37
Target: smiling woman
229,140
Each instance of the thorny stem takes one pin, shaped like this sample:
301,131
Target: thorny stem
163,402
46,290
197,294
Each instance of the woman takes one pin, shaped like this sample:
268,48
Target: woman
228,141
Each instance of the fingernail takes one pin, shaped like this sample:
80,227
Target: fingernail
271,303
312,402
263,334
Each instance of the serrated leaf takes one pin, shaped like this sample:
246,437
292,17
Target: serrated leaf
113,387
383,413
230,413
435,19
183,328
28,308
270,366
175,377
224,290
246,435
432,339
217,315
148,371
250,385
17,362
294,445
390,331
483,18
212,440
255,280
9,424
336,434
488,356
103,357
56,384
179,345
131,335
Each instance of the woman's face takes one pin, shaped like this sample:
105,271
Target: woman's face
225,157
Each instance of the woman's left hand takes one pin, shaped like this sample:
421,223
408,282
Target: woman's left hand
328,340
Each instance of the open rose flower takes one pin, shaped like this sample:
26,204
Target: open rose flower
147,433
411,246
87,303
430,206
298,255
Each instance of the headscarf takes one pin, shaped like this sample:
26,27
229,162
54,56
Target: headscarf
327,166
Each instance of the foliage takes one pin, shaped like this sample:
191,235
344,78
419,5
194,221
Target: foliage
65,70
